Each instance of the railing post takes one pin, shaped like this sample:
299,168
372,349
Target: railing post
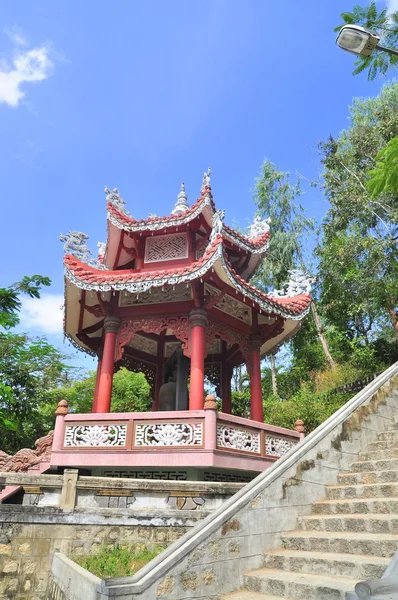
59,430
210,422
68,493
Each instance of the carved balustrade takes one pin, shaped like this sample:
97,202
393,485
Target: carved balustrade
174,431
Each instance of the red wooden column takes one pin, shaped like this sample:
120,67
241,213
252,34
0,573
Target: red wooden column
97,380
198,324
111,328
256,393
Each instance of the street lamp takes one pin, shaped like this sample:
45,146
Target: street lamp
358,40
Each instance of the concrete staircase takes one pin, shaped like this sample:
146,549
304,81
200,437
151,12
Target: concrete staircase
350,536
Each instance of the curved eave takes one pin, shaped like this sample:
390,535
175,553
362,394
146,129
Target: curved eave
89,278
258,245
127,223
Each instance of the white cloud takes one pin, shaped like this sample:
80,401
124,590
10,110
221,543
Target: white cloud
16,35
42,315
27,66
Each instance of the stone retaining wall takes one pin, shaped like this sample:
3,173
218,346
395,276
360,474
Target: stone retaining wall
29,537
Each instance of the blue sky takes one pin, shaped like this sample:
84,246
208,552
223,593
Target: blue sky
144,95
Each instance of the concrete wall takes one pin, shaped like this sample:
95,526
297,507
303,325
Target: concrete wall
210,559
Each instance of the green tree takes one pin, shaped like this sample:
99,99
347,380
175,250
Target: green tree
358,256
130,393
385,25
276,196
384,177
28,368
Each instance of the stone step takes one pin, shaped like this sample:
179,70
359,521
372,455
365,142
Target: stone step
356,506
372,490
378,454
371,523
384,464
298,585
321,563
382,446
249,595
389,435
367,477
347,542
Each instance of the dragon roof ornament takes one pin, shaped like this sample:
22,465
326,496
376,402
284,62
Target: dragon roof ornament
217,223
258,227
114,197
206,180
299,283
75,244
181,206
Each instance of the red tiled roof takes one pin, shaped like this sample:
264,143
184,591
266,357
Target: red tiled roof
293,304
255,242
91,275
96,277
130,221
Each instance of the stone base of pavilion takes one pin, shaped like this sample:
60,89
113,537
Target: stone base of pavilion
201,444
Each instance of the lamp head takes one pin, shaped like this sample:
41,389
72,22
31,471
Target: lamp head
357,40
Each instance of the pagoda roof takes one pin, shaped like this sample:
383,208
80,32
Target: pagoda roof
90,278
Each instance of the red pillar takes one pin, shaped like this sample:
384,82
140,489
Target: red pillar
198,323
111,328
97,380
256,393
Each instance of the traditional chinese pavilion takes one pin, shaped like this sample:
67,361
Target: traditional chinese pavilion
171,297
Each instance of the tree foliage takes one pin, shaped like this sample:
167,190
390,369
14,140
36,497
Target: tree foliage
358,256
384,177
385,25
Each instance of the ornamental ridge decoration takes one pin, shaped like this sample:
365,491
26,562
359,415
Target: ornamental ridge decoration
166,247
277,446
238,438
161,224
75,245
91,436
168,434
145,285
299,283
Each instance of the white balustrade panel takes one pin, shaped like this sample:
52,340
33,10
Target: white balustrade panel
95,435
277,446
168,434
238,438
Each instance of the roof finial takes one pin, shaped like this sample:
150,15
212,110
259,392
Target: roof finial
181,205
117,201
206,180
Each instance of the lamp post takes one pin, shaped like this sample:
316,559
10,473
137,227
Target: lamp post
357,40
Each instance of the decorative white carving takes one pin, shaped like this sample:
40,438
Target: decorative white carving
75,244
179,293
237,438
166,247
117,201
230,305
139,342
277,446
95,435
259,227
299,283
181,206
217,223
206,180
169,434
